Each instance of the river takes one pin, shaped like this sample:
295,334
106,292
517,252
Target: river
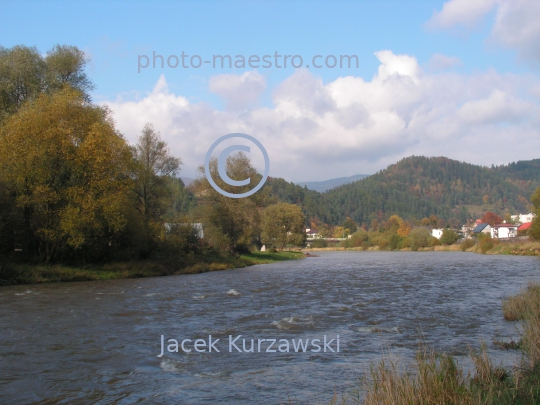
99,342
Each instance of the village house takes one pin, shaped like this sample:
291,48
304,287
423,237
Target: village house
523,218
312,234
481,228
437,233
503,231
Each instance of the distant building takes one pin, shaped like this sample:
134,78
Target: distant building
312,233
524,227
502,231
482,228
437,233
523,218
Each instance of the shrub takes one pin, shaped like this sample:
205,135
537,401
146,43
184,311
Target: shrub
434,241
319,243
467,244
486,245
449,237
393,241
358,238
419,237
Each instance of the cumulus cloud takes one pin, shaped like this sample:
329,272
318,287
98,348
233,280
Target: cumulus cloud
461,12
316,131
238,92
439,62
515,27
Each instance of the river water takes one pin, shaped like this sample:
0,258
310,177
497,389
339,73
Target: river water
99,342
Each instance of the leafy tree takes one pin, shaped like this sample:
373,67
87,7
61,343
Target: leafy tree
283,224
449,237
491,218
232,224
534,230
25,73
68,170
350,225
418,238
153,166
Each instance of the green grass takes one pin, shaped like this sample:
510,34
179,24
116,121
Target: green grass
23,273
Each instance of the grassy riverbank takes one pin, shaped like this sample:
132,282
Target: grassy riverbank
438,379
520,248
23,273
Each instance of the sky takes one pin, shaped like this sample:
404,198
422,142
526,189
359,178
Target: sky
459,78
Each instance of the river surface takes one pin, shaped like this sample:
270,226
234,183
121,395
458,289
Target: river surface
99,342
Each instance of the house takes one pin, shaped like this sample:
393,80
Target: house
523,218
523,228
312,234
482,228
196,225
502,231
437,233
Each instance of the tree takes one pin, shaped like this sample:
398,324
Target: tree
491,218
25,74
418,238
350,225
68,170
232,224
534,230
154,164
449,237
283,224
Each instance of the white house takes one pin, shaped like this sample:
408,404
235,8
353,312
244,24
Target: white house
312,234
522,218
437,233
504,231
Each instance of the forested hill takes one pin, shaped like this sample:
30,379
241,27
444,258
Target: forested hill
418,187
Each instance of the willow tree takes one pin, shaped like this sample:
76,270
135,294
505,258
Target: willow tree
283,224
25,74
231,224
69,172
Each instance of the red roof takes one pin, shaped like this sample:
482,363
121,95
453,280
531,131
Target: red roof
524,226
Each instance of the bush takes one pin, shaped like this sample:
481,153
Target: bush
467,244
486,244
419,237
434,241
449,237
319,243
358,238
393,241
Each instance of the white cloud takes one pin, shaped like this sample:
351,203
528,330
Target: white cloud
439,62
239,92
516,24
349,126
461,12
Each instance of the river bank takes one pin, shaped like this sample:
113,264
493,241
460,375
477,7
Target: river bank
23,273
522,248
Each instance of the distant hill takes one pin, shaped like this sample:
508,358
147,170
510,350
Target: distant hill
322,186
418,187
187,181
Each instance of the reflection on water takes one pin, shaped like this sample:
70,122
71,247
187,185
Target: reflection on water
98,342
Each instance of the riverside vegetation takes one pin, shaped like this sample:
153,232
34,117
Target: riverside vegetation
434,378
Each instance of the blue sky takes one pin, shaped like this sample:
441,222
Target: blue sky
444,41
